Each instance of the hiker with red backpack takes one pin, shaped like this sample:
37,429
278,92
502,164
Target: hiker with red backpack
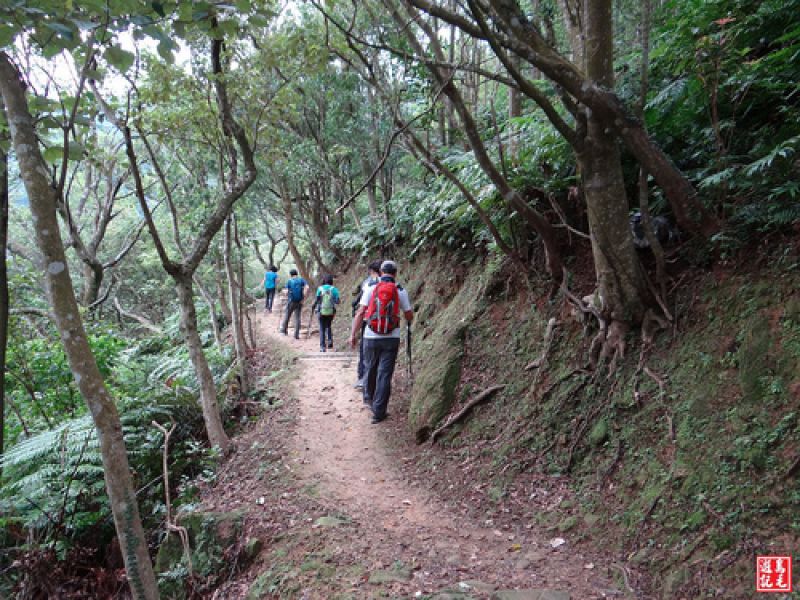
325,305
381,306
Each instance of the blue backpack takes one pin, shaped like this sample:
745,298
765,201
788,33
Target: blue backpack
296,286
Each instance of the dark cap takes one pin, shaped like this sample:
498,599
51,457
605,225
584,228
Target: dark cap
293,272
388,266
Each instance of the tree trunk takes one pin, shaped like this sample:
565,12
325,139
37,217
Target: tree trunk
219,278
4,299
371,198
208,298
237,326
620,278
61,294
387,189
298,259
514,111
92,280
573,21
205,380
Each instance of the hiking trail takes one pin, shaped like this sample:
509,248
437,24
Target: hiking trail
379,533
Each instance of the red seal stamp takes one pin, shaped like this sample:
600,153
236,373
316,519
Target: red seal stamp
773,573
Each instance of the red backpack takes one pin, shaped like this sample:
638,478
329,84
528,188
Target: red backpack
383,312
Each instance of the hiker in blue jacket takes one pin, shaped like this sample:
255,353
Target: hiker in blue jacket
325,303
294,303
270,285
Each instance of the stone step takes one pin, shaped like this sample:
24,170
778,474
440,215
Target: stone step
328,356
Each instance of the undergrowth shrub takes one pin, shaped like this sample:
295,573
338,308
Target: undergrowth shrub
53,501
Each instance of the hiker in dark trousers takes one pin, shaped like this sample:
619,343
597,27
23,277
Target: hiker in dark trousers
270,285
294,303
325,303
373,273
381,306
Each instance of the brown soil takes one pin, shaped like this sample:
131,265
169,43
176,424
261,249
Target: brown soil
393,535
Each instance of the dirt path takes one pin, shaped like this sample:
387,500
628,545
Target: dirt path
382,534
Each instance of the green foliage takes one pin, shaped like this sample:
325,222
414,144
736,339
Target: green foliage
723,105
40,383
53,486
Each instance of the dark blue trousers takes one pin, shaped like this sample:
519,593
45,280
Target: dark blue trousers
269,298
380,356
325,331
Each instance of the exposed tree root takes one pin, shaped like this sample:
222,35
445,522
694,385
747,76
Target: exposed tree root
171,525
790,472
474,401
548,342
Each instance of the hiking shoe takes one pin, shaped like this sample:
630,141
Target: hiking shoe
375,419
322,349
330,345
359,385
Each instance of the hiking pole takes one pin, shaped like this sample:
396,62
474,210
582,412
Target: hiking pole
310,318
409,368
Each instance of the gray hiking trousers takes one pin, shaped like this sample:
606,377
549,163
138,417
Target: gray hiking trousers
296,308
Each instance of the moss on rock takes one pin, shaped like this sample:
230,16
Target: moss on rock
435,386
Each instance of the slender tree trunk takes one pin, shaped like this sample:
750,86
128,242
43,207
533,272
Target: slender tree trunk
212,311
298,259
619,274
573,12
205,379
371,199
514,111
237,328
535,220
219,278
244,297
61,294
4,298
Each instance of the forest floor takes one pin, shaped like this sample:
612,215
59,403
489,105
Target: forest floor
342,513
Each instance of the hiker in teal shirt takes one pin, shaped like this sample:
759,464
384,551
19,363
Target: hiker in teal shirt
294,303
270,285
325,303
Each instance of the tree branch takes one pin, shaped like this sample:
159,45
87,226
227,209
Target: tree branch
143,321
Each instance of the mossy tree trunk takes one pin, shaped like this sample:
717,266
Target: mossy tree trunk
237,327
205,379
619,274
61,295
